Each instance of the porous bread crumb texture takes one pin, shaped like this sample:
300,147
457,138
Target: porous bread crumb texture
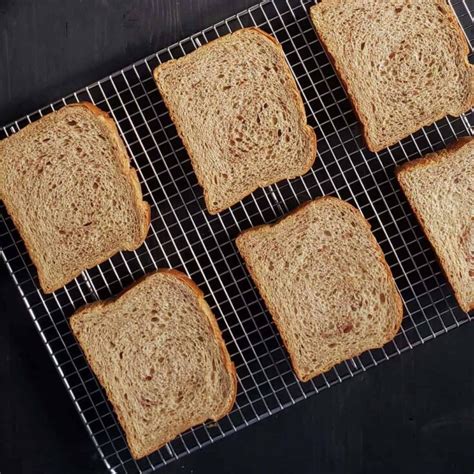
237,108
404,63
67,183
440,190
325,282
159,354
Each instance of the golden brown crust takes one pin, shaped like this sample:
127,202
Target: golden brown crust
434,156
142,208
353,100
274,311
345,84
229,365
297,97
217,334
424,161
41,278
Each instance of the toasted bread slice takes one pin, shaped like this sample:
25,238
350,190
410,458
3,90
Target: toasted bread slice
158,352
239,113
67,183
325,282
404,63
440,190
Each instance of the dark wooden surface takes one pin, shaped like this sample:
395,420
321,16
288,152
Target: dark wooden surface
413,414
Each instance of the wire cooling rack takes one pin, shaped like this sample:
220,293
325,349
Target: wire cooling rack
184,236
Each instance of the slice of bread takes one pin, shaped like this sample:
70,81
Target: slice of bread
158,352
325,282
440,190
239,113
404,63
67,183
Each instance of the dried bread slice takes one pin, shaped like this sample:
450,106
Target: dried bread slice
158,352
325,282
67,183
239,113
440,190
404,63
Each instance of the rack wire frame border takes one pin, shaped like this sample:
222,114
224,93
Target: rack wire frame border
183,235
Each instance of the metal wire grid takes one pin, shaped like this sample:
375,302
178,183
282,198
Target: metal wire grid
184,236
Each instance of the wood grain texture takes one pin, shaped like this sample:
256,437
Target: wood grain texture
412,414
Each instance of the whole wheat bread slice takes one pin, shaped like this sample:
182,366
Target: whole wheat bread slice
158,352
325,282
239,113
440,190
67,183
404,63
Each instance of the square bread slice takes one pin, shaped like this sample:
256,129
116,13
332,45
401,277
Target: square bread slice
440,190
325,282
238,110
158,352
67,183
404,63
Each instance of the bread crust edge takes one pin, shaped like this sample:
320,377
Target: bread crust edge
305,377
297,97
142,207
371,145
424,161
229,365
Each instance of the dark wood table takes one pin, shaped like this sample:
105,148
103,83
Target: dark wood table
413,414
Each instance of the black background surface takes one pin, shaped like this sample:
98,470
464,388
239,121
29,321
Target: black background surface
413,414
